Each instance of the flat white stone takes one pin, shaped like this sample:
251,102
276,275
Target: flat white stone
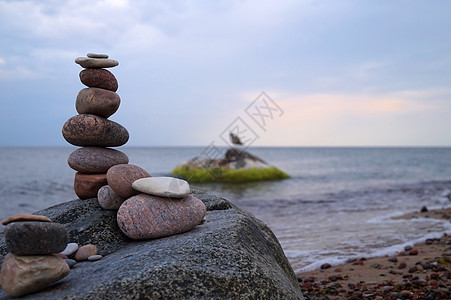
95,257
71,248
162,186
87,62
97,55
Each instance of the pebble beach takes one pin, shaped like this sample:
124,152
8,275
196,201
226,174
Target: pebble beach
421,271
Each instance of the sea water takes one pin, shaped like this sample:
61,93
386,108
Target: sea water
338,203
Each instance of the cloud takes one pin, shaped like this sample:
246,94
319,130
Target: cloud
343,119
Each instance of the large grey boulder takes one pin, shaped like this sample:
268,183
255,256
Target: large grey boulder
232,255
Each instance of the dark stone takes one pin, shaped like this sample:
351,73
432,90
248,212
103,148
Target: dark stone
97,101
99,78
35,238
231,256
90,160
87,185
92,130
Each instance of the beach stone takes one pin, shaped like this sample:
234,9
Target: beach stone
99,78
91,130
413,252
146,216
121,177
70,262
25,217
97,101
97,55
21,275
91,160
85,251
95,257
35,238
162,186
89,62
108,199
87,185
70,249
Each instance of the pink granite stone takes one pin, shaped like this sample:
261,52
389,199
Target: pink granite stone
108,199
121,177
97,101
87,185
92,160
99,78
146,216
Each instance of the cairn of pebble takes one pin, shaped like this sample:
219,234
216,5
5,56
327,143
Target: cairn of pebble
91,129
31,264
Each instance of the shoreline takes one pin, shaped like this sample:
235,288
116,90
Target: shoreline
422,271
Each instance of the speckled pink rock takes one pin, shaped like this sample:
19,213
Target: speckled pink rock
108,199
91,130
91,160
87,185
145,216
97,101
99,78
121,177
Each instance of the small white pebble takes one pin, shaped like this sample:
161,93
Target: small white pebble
71,248
95,257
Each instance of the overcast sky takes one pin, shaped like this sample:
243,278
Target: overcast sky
334,73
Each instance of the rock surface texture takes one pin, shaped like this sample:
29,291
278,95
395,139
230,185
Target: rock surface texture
231,256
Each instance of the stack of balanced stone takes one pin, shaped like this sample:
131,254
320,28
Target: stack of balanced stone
32,264
148,207
91,128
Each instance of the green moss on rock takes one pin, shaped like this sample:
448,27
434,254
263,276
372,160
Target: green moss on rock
198,175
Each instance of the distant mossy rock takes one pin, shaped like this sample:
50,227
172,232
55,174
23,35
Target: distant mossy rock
237,166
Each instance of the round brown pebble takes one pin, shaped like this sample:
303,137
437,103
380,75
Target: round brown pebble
413,252
91,130
97,101
87,185
121,177
92,160
99,78
25,217
85,251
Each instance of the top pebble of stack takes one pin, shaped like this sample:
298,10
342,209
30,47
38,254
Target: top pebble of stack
96,61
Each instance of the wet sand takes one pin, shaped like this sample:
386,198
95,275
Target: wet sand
422,271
